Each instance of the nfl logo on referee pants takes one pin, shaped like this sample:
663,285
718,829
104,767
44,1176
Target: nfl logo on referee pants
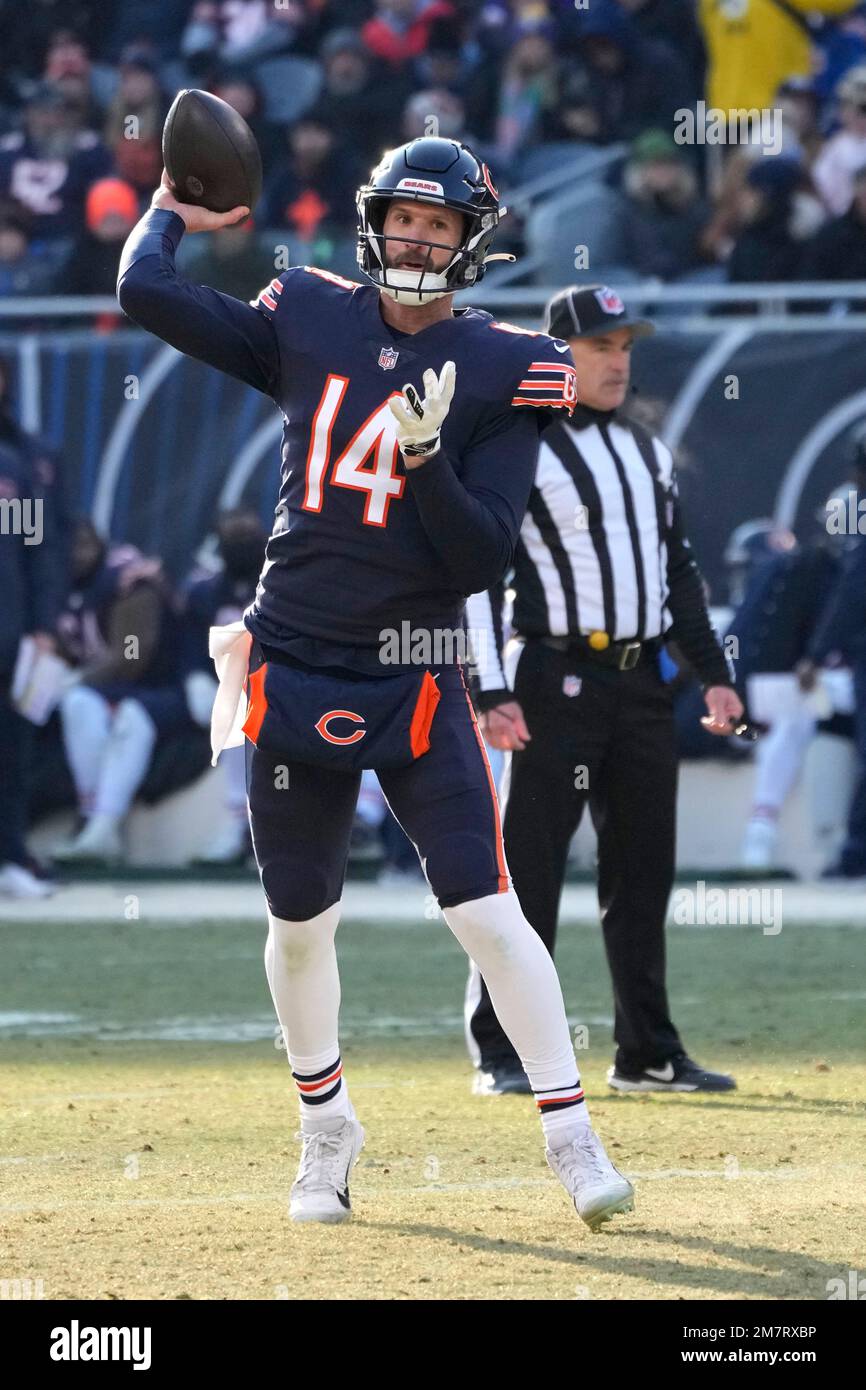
571,685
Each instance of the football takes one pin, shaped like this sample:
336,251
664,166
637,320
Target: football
210,153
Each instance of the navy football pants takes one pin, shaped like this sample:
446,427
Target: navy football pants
301,816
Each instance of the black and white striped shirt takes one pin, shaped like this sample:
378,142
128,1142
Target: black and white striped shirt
601,548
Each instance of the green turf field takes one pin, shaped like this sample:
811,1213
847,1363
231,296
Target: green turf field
148,1146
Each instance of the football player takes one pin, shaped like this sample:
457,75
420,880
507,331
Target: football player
394,506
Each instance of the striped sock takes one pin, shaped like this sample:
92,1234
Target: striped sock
562,1110
323,1095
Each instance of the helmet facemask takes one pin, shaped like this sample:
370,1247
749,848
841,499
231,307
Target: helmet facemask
411,286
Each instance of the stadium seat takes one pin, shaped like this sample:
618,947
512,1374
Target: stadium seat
592,218
344,257
55,252
544,159
337,253
289,86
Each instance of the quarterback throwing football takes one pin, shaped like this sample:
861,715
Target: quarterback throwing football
394,506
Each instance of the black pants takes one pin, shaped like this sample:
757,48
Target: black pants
15,750
611,743
853,856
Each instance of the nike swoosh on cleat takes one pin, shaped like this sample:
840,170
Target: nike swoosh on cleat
665,1073
343,1199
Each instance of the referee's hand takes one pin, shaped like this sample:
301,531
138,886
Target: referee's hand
505,728
725,709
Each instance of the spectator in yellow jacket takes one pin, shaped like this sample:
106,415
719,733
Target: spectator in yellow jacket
753,46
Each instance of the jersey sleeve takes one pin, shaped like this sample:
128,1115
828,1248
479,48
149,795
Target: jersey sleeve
473,520
294,299
274,298
547,379
213,327
544,378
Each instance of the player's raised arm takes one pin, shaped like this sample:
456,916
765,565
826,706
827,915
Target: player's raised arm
472,520
202,322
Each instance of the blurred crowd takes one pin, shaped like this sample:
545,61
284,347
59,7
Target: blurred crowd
795,627
327,85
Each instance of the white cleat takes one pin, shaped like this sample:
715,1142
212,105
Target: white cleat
230,845
98,842
321,1190
599,1190
758,850
16,881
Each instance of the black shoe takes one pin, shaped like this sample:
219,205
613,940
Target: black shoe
842,871
501,1079
678,1073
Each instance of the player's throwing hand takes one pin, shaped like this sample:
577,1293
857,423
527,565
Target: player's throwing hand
419,422
195,218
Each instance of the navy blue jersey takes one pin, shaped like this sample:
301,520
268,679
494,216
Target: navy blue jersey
360,545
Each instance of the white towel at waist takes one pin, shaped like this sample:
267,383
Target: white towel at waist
229,648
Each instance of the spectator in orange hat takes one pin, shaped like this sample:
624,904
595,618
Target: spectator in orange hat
111,211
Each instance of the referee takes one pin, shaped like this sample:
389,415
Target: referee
603,577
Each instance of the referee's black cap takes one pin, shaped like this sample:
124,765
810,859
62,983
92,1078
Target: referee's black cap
585,311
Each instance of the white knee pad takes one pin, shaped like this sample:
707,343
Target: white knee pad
296,945
489,926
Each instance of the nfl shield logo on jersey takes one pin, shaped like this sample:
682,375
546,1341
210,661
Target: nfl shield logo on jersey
571,686
388,358
610,301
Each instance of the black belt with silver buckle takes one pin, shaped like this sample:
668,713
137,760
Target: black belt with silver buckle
623,656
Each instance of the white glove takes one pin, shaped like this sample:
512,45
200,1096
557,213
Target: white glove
419,422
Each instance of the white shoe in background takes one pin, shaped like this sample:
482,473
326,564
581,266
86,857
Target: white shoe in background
16,881
758,849
230,845
98,842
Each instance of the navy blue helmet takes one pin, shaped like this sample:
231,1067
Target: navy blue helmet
430,170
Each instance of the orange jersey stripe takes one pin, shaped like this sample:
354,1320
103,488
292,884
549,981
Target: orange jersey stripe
258,706
540,385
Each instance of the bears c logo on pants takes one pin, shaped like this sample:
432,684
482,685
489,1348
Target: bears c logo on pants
322,726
